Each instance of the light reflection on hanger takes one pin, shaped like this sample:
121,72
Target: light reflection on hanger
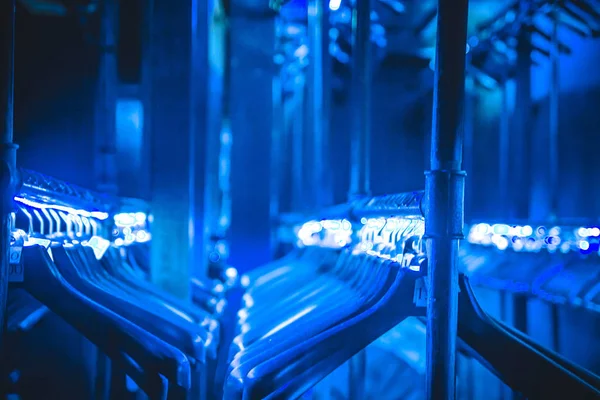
90,214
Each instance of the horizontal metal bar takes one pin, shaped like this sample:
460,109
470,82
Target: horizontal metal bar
394,205
46,189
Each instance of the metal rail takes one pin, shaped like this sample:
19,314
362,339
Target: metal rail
46,189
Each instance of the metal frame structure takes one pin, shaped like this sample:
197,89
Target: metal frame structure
8,151
39,187
443,201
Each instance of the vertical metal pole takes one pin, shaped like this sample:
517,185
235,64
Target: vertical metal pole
469,138
360,158
177,116
554,118
520,129
519,154
252,70
9,175
445,198
277,149
553,157
317,87
360,146
106,100
504,149
210,57
298,173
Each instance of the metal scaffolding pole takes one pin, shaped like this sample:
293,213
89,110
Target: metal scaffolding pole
554,109
444,187
360,146
318,78
9,149
361,100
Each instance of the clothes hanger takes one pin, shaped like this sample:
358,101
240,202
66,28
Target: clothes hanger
324,291
356,278
113,334
514,359
350,337
120,272
296,331
177,331
94,272
296,294
83,258
364,277
84,272
123,342
309,265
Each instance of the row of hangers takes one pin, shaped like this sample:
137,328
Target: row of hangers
164,344
311,311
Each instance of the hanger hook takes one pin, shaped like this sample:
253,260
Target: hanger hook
68,221
94,225
38,215
50,221
13,221
78,224
57,220
29,218
86,225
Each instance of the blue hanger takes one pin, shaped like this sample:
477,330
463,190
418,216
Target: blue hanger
143,356
513,357
171,328
347,338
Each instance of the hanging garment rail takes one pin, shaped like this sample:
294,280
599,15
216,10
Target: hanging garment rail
38,187
394,205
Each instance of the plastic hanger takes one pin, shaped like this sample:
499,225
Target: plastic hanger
325,292
349,337
519,363
81,269
301,292
150,382
120,271
356,278
187,337
337,300
363,278
118,338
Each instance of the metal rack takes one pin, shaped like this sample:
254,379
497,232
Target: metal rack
46,189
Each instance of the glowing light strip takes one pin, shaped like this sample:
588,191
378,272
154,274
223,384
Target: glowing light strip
82,213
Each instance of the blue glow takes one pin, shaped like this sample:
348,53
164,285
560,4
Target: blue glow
82,213
125,219
301,51
131,228
326,233
375,232
99,246
292,30
525,238
129,117
225,138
